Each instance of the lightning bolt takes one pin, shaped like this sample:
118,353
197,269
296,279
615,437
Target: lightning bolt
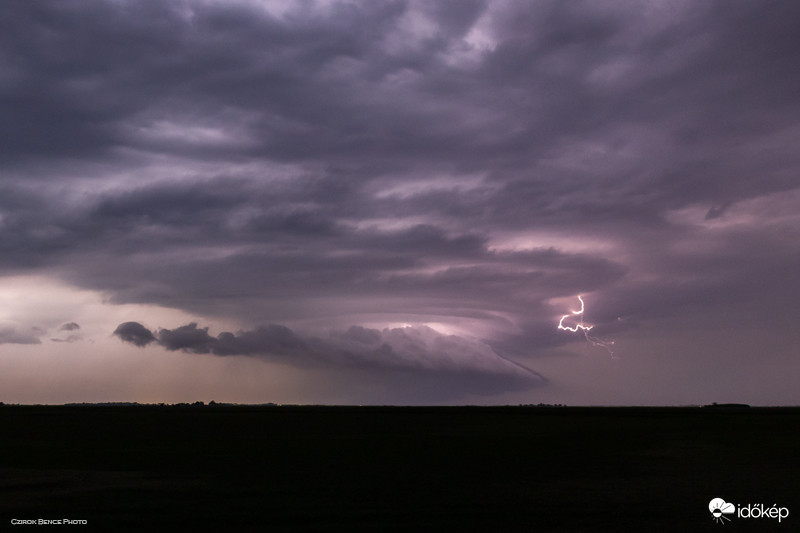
573,313
580,326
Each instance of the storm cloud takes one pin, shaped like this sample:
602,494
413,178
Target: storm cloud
466,167
134,333
420,349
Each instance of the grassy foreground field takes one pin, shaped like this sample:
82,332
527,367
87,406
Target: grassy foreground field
225,468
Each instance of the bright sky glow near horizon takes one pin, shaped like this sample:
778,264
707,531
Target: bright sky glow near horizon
396,202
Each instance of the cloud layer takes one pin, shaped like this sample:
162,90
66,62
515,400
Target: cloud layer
471,164
420,349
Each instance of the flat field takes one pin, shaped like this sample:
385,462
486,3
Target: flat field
285,468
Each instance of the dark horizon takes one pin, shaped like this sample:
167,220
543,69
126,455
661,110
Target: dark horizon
411,469
214,404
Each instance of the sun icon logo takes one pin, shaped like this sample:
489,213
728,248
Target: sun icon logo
719,508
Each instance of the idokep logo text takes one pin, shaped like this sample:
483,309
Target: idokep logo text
722,511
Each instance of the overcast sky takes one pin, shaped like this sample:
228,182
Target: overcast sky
396,202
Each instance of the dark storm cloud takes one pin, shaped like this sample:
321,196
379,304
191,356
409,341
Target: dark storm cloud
272,339
457,161
419,349
70,326
353,84
188,337
134,333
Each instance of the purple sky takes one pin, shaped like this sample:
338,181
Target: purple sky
395,202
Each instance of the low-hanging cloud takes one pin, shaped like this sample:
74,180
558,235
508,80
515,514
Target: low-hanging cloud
10,335
419,348
73,330
134,333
